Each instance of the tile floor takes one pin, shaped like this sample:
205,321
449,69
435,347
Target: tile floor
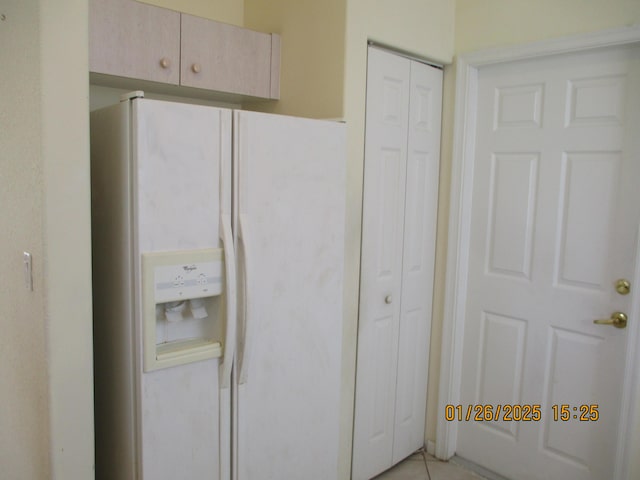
422,466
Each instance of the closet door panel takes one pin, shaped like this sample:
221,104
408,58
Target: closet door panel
381,272
420,217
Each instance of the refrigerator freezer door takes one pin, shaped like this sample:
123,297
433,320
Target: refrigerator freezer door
178,171
291,187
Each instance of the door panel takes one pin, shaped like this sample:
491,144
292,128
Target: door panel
553,224
390,202
587,205
502,347
512,211
567,385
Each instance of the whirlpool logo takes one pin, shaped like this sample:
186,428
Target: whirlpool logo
189,268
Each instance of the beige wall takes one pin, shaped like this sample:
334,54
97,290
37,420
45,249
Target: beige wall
488,23
227,11
24,416
312,63
46,399
497,23
67,234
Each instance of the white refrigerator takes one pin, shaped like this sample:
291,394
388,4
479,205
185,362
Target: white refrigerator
218,254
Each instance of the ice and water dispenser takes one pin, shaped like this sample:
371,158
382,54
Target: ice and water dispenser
182,307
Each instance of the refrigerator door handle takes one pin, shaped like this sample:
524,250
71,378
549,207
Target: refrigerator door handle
230,273
248,310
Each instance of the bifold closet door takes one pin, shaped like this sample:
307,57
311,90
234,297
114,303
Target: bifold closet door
402,150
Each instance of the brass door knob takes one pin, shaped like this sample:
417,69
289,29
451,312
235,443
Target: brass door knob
195,68
618,320
623,287
165,63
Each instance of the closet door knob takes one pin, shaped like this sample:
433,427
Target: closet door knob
195,68
164,62
388,299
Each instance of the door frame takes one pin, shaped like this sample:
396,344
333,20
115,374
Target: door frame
468,68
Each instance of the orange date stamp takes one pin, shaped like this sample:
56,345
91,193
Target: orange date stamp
520,413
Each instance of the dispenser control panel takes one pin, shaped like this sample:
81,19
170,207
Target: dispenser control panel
187,280
181,304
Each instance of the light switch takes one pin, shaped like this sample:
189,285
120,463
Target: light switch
28,276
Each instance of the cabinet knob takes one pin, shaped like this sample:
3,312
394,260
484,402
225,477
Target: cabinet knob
195,68
388,299
164,62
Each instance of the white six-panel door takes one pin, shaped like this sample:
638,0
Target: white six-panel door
554,225
400,199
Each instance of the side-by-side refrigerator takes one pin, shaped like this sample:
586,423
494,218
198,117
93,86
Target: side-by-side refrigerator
218,244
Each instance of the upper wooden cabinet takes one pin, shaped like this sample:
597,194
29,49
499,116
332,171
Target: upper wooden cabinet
217,56
136,40
131,39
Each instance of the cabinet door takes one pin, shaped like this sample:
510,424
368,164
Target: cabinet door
131,39
222,57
